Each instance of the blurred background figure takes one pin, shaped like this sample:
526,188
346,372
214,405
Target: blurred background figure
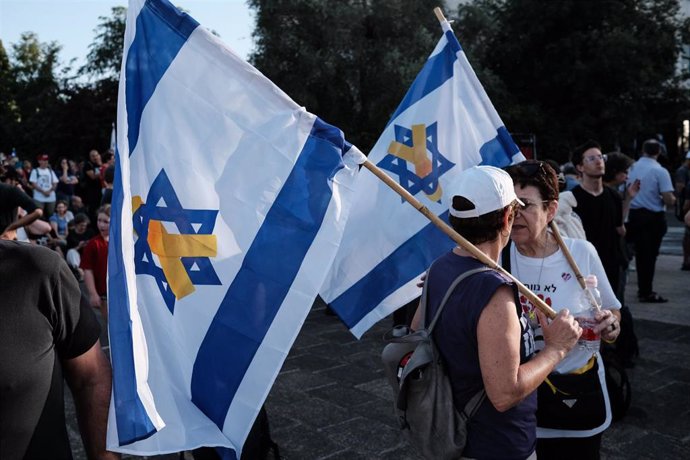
94,263
682,186
647,218
68,180
44,182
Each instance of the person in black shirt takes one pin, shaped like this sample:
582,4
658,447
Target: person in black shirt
600,209
12,198
108,179
44,331
92,183
79,234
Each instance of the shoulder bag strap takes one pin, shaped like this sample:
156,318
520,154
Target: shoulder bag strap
473,404
448,294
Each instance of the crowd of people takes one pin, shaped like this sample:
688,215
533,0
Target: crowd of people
548,224
65,200
546,395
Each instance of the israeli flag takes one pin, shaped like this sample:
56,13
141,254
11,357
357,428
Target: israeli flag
445,124
228,207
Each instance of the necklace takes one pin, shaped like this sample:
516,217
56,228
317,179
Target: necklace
541,267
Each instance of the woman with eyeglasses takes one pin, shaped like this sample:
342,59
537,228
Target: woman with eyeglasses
573,408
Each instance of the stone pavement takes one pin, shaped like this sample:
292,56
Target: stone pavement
330,400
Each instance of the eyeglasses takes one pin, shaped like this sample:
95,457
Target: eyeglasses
528,206
593,158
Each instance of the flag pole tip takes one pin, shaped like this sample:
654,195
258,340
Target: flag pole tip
439,15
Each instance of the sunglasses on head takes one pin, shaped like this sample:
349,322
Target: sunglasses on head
527,169
535,170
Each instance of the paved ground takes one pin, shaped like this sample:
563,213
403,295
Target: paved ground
330,400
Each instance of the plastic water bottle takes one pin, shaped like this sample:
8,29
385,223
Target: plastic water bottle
589,305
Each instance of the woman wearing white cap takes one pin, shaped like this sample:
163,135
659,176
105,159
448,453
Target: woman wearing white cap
482,335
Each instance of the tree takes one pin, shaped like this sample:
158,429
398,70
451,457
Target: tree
8,115
43,110
348,61
105,53
91,105
572,70
35,93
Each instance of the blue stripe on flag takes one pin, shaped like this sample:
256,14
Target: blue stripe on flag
161,31
407,261
499,151
437,70
453,41
267,273
133,424
226,453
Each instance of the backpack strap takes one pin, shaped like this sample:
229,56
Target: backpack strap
473,404
449,292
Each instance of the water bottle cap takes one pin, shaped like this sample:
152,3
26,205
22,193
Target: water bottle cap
591,281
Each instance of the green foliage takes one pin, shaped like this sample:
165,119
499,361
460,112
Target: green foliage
565,70
42,110
31,93
8,115
572,70
349,62
105,53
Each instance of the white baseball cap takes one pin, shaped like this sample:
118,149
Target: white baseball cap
486,187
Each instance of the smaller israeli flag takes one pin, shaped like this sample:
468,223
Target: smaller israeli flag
445,124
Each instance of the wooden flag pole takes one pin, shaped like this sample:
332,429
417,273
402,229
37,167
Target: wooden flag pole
557,235
573,265
439,14
459,239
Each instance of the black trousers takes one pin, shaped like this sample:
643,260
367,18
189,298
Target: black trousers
646,230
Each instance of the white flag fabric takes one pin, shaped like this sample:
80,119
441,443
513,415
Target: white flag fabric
113,138
445,124
228,207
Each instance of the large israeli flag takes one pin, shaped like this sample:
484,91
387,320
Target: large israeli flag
228,208
445,124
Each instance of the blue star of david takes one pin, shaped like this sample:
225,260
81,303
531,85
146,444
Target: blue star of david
199,269
406,177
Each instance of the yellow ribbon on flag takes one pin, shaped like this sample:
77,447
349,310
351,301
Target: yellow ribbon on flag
417,155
